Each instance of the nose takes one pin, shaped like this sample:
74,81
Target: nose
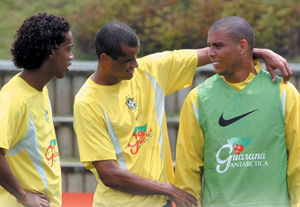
211,52
135,64
71,57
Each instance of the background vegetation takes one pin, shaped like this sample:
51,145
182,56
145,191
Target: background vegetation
161,24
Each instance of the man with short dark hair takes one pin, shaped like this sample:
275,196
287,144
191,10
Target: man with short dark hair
30,172
120,122
238,129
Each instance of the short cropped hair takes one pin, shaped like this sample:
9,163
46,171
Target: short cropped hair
112,36
237,28
36,38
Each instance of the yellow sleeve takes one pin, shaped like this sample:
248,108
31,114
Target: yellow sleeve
173,70
14,119
291,98
190,149
91,130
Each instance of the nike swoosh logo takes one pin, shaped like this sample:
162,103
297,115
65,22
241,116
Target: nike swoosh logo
223,122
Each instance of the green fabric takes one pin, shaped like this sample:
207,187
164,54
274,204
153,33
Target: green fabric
245,161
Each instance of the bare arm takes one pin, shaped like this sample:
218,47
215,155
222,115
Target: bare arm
119,179
10,183
273,61
203,58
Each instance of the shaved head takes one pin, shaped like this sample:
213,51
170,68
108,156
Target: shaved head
237,28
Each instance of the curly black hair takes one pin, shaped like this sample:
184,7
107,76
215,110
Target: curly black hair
36,38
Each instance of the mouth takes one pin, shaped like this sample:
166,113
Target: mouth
215,64
69,66
130,71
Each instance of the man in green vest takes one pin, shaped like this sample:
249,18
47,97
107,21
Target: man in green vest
239,135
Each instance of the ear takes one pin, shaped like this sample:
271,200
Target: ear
104,58
52,53
244,46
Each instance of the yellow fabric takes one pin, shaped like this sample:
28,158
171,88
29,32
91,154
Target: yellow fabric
107,128
190,142
28,140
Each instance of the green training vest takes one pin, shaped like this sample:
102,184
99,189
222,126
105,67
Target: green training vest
245,160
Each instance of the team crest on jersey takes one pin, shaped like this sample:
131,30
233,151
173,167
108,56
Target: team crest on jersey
47,115
131,103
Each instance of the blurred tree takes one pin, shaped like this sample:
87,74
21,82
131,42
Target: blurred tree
275,23
151,20
160,24
13,14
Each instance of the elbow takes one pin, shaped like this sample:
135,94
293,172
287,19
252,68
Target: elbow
109,180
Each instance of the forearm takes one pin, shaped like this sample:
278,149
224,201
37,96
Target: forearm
8,181
127,182
259,53
203,58
122,180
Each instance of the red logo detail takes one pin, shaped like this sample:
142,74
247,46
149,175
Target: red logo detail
51,154
238,148
140,138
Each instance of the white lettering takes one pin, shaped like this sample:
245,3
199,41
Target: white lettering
227,161
239,160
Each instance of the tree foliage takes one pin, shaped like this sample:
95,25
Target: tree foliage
161,24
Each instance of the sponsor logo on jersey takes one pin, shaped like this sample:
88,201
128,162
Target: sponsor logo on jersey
223,122
51,154
231,155
141,136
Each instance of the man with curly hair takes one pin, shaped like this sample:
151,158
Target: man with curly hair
30,173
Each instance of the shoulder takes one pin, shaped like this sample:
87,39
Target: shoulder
192,96
85,93
169,56
210,81
13,93
86,101
289,90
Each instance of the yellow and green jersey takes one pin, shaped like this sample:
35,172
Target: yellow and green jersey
28,140
244,140
126,122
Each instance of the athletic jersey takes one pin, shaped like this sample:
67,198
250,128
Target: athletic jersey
239,147
28,140
126,122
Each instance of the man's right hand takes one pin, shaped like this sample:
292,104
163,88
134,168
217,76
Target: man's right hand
183,198
35,200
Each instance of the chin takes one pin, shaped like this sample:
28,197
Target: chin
60,76
220,72
130,77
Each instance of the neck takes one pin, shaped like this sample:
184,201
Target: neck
242,73
35,78
102,78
